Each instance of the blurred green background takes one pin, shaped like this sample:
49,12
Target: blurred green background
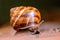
43,6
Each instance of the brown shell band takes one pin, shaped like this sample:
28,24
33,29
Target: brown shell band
20,13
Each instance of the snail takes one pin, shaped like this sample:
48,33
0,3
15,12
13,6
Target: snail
25,18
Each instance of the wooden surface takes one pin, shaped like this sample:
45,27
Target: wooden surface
47,33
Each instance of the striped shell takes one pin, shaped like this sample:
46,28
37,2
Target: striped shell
24,16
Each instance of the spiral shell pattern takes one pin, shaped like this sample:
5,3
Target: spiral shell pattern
24,16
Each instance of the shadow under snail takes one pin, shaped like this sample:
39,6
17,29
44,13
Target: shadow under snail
25,18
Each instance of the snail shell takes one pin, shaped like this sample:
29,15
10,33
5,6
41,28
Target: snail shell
24,17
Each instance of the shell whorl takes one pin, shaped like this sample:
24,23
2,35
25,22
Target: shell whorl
21,15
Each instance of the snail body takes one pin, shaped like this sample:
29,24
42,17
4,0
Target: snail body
25,18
